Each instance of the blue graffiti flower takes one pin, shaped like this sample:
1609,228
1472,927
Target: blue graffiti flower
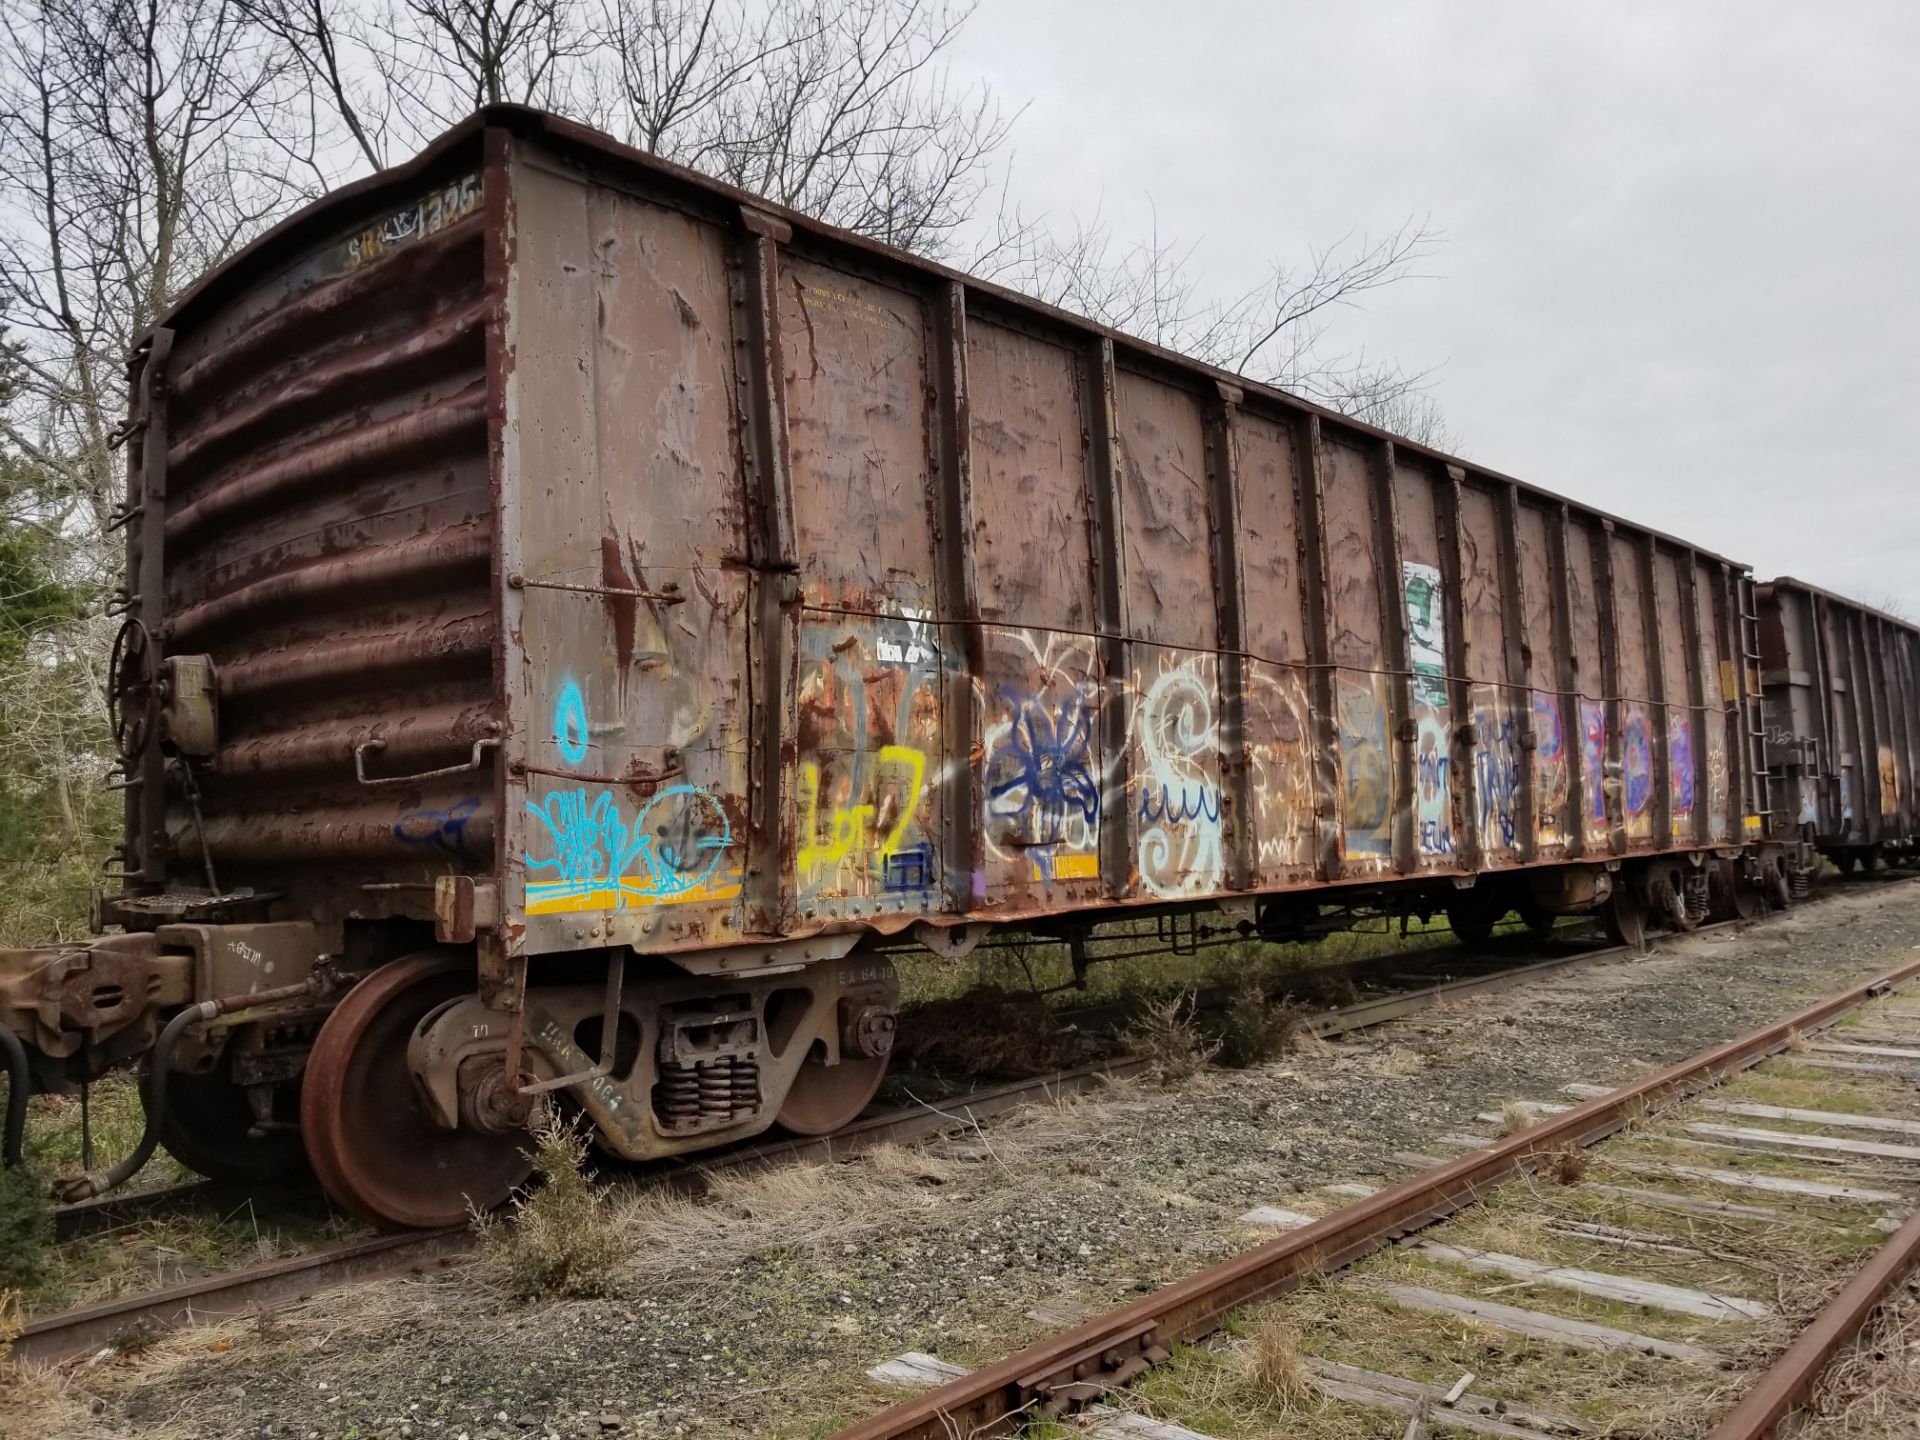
1042,772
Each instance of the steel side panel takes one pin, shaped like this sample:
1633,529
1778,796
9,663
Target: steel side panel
1638,734
1039,691
1279,732
870,748
1681,739
1552,756
1594,739
1715,664
628,821
1497,753
1174,729
1369,782
1422,587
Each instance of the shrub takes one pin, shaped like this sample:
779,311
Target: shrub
1252,1029
26,1230
563,1238
1165,1037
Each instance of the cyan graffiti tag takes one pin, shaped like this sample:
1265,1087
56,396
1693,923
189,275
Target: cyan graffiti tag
674,844
570,722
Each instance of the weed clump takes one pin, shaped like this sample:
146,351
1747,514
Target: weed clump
1570,1164
563,1238
1275,1370
1252,1029
1515,1117
1165,1037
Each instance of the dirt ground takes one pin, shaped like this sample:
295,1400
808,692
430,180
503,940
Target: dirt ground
757,1313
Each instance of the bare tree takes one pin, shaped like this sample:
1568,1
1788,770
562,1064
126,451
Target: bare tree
1275,331
135,152
140,142
847,111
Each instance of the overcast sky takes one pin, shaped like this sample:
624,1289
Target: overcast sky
1682,269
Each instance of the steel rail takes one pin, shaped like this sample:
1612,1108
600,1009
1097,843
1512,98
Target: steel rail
53,1338
119,1209
1787,1383
1092,1358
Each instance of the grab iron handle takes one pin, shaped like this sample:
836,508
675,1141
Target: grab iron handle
480,747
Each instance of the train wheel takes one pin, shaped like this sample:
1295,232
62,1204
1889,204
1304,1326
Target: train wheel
371,1141
1733,897
825,1097
1539,921
1625,920
1472,918
1471,929
205,1123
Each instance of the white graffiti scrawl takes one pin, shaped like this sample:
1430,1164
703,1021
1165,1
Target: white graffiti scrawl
1180,850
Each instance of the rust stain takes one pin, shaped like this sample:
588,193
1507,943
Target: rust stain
621,608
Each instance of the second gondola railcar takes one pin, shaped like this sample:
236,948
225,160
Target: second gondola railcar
1842,718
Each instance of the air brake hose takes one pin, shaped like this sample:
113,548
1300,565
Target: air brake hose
153,1084
14,1137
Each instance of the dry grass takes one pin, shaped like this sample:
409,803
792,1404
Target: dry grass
562,1239
9,1321
1872,1388
1399,1060
48,1405
668,1238
1515,1117
1570,1164
1165,1037
1274,1367
1796,1042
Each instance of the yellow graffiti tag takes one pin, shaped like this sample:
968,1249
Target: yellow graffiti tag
849,826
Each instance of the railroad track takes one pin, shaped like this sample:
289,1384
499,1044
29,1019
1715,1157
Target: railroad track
1736,1163
61,1336
56,1337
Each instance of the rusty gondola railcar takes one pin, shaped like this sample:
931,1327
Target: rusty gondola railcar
581,617
1842,718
